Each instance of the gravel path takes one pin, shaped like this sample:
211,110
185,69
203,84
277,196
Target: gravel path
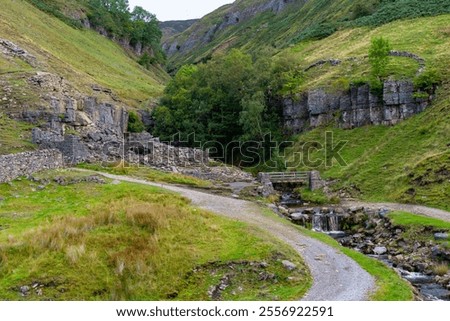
415,209
336,276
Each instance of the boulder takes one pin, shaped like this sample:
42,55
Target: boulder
380,250
441,236
289,265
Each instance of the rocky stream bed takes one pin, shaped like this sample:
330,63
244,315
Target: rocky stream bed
420,254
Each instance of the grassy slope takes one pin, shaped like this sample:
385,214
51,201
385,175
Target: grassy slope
15,137
267,33
412,220
81,56
126,241
409,162
261,30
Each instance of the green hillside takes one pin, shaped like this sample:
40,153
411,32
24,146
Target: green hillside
409,162
266,32
81,56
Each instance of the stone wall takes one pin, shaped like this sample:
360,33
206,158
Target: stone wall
23,164
356,107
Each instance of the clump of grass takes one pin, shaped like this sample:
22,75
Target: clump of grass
74,252
64,230
317,197
106,217
3,257
441,269
149,218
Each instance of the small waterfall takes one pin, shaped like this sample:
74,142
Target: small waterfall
325,223
333,223
319,223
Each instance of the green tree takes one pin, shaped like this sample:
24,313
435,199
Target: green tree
251,117
379,57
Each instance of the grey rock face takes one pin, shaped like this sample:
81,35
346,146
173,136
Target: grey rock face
354,108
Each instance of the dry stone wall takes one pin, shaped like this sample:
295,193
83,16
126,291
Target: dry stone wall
23,164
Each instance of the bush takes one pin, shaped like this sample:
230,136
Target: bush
317,197
363,10
376,86
427,80
389,11
135,124
317,31
441,269
147,61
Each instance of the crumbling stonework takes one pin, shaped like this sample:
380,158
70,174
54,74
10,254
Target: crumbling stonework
23,164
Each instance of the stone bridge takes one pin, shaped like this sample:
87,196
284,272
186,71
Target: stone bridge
311,179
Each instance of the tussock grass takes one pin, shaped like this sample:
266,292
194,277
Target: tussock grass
151,218
75,252
441,269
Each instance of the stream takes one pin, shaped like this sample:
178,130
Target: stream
337,222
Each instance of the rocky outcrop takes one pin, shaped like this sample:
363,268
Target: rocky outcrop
94,128
356,107
10,49
172,28
23,164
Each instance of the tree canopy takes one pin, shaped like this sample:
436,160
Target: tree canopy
139,27
229,99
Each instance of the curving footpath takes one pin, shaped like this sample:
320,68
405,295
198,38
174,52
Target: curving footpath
336,276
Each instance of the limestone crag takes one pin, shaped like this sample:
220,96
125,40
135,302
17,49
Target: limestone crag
353,108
